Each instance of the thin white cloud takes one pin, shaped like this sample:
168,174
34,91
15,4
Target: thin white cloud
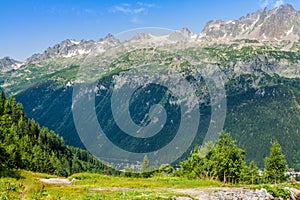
270,3
139,10
122,9
128,9
62,11
148,5
264,3
136,20
278,3
135,11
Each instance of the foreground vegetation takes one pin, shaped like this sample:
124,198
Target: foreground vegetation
26,145
225,162
26,185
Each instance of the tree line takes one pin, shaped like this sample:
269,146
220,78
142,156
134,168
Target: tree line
26,145
225,161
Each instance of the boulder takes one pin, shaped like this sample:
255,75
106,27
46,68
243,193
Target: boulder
294,192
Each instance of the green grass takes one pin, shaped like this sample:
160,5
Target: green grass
98,180
26,185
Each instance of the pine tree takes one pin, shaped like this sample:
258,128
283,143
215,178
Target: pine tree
2,101
227,159
3,157
192,167
275,164
254,173
250,174
145,164
25,145
223,161
76,166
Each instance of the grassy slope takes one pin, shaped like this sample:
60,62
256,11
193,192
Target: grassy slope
26,185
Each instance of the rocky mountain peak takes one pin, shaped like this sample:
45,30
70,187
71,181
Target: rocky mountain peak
142,36
67,48
280,23
110,39
286,8
185,31
109,36
7,64
183,34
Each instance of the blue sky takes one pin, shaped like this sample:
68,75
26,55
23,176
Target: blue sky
30,26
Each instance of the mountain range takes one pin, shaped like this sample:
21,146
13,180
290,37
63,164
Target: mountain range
279,24
258,53
7,64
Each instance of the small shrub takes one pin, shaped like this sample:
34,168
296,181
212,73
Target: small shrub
277,191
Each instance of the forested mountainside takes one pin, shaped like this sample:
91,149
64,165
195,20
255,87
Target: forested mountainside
260,64
26,145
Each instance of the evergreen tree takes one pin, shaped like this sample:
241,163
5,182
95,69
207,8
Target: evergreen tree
2,102
254,173
250,174
25,145
192,166
223,161
76,166
145,164
3,156
275,164
227,159
204,151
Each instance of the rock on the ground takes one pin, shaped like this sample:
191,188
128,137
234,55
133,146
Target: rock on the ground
183,198
242,194
295,193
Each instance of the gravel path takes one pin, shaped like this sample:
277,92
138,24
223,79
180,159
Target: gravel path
58,181
213,193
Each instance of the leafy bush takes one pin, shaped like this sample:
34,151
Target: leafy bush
277,191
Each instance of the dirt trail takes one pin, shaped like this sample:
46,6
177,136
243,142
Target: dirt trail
196,193
58,181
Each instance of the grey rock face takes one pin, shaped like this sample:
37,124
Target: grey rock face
110,39
280,23
182,35
8,63
69,48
